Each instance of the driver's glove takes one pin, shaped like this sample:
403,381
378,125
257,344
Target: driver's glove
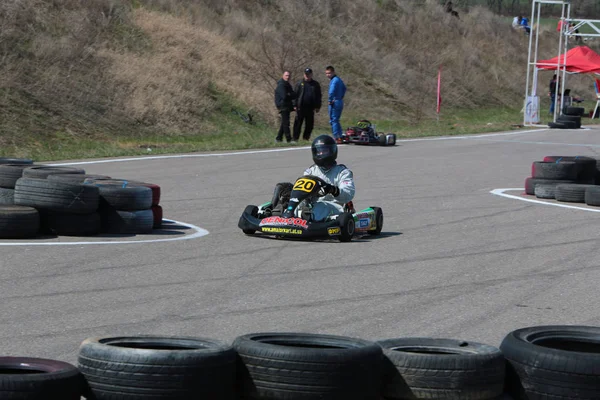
331,189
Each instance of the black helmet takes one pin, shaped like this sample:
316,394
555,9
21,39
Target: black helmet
324,151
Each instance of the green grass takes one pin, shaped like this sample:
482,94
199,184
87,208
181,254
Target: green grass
231,133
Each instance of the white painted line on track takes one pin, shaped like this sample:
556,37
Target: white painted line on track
199,232
146,158
540,143
113,160
500,192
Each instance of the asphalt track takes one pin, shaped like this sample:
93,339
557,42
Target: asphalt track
454,259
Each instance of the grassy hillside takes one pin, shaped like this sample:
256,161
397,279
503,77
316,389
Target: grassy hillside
105,77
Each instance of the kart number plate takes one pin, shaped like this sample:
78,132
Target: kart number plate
305,185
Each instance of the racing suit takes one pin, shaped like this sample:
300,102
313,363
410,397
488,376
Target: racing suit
339,176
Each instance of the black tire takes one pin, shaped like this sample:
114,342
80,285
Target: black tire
121,195
42,171
545,191
378,221
18,222
157,367
564,170
531,183
74,178
561,125
573,111
26,378
570,118
126,222
24,161
7,196
592,196
128,183
426,368
56,196
347,226
250,210
553,362
587,166
308,366
66,224
382,139
9,173
571,192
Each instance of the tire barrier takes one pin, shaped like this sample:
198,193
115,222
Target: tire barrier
126,206
308,366
18,222
553,362
538,362
67,201
42,171
565,179
157,367
425,368
25,161
26,378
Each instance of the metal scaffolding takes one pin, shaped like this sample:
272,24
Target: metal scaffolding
532,104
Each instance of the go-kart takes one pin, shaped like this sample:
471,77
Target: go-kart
292,216
364,133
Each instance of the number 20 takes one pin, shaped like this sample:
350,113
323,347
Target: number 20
305,185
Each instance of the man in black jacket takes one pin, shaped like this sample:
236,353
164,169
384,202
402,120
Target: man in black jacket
285,102
308,101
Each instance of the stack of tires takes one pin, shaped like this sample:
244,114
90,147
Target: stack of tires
65,207
564,178
125,206
569,119
157,367
11,169
16,222
426,368
27,378
553,362
308,366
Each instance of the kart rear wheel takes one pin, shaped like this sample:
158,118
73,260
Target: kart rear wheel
378,221
347,227
382,139
252,210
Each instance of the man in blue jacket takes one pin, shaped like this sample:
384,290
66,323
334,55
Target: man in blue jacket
337,90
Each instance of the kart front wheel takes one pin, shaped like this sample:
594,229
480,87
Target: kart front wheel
347,227
252,210
382,139
378,221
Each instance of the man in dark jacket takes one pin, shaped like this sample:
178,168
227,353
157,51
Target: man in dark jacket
285,101
308,101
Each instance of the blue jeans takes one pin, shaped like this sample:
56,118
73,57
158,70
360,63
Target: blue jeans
552,98
335,112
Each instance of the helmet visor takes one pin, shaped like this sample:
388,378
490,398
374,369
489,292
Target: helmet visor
322,151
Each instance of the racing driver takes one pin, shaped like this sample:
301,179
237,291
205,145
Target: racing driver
339,178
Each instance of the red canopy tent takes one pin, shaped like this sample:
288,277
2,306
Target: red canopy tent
580,59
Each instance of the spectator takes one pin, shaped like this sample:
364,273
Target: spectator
308,101
572,30
516,22
559,25
285,103
337,91
525,25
